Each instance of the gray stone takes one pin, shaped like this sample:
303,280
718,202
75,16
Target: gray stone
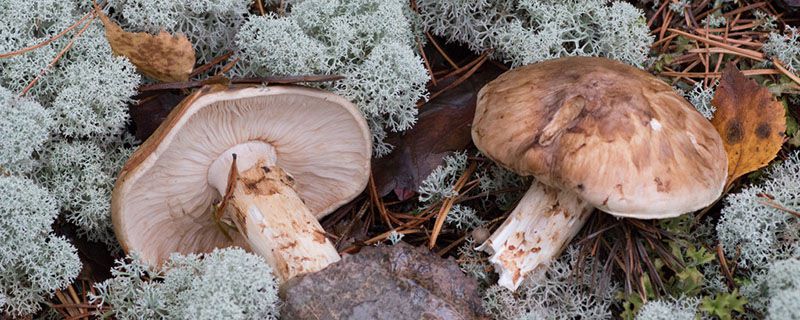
389,282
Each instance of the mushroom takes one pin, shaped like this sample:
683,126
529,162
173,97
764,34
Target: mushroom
272,159
595,133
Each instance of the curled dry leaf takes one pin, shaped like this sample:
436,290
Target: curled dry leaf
162,57
443,127
750,121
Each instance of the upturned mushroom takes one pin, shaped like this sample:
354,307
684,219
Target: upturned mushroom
595,133
266,161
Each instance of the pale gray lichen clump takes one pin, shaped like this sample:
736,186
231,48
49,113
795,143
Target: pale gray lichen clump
79,100
72,143
24,127
528,31
785,47
700,97
369,42
440,183
81,175
773,292
755,232
684,308
766,240
33,261
559,293
224,284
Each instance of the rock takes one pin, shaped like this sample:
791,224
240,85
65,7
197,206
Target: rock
390,282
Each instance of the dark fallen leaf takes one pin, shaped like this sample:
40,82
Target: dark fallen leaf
389,282
443,127
152,109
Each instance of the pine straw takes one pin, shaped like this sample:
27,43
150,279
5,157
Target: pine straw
627,248
71,305
738,40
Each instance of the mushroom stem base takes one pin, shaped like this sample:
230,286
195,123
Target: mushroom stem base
277,224
536,232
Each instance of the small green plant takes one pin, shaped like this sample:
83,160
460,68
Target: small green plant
724,304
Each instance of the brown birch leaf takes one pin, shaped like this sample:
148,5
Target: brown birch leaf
162,57
750,120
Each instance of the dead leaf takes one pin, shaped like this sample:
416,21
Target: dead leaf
151,109
751,122
162,57
443,127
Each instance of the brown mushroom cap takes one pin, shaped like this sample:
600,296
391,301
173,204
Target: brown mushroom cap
162,201
617,136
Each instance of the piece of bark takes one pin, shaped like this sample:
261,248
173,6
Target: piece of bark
390,282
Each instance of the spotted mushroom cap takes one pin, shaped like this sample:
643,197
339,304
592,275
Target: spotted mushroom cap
617,136
163,199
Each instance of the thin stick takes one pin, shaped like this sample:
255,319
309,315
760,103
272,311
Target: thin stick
449,247
438,48
228,67
448,204
724,265
782,69
653,18
425,59
58,56
269,79
75,298
385,235
233,174
376,200
743,9
745,52
771,203
260,6
752,72
210,64
44,43
458,81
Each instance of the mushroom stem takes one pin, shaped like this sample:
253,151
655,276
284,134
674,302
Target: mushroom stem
277,224
536,232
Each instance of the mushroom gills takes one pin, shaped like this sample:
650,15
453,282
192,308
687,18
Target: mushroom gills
538,230
265,208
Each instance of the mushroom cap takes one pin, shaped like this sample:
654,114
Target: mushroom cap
163,198
619,137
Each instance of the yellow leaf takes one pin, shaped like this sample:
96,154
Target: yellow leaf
162,57
750,121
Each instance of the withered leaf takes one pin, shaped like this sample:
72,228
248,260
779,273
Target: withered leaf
162,57
750,121
151,109
443,127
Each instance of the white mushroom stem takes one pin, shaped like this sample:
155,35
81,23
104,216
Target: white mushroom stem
268,212
536,232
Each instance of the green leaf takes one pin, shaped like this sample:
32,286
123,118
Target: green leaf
724,304
699,256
